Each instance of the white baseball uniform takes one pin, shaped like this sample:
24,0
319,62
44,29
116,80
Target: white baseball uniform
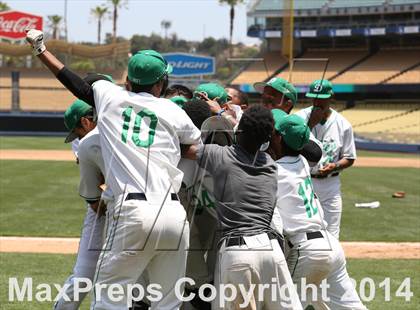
200,206
91,166
140,138
337,139
314,254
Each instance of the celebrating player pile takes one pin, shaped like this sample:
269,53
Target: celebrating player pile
243,181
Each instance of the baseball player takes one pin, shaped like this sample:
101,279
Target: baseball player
339,151
199,200
79,119
314,254
280,94
141,136
238,97
245,186
219,101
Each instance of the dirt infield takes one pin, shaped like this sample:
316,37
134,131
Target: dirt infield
69,156
37,155
371,250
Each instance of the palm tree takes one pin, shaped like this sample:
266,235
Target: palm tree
232,4
166,24
4,6
99,12
54,22
116,4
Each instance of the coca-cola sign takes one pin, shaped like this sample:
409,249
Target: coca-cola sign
14,23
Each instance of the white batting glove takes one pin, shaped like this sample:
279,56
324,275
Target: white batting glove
36,39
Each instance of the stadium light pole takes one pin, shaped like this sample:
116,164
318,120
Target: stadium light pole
288,32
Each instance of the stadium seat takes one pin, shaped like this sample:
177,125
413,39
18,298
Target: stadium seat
304,72
380,66
354,3
409,77
257,72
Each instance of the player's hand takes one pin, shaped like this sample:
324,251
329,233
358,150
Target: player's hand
213,104
317,115
326,170
36,40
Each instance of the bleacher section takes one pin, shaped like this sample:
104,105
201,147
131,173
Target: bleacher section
390,123
256,71
384,64
372,70
411,76
305,71
298,5
354,3
40,90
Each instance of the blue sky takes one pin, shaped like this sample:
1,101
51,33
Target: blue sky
191,19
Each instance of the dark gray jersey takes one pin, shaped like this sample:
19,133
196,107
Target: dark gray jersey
245,191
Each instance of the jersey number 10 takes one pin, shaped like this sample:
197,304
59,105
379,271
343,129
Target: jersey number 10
137,123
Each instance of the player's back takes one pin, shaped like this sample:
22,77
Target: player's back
298,206
140,138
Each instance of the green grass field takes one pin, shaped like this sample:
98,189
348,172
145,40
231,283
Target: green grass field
46,268
57,143
395,219
40,198
33,143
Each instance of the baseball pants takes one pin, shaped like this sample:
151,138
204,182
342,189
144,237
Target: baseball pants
91,241
328,191
148,237
312,261
260,268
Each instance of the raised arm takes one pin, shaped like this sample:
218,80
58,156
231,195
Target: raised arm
69,79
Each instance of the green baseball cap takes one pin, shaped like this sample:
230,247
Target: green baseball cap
179,100
293,130
278,116
147,67
321,89
281,85
73,114
212,90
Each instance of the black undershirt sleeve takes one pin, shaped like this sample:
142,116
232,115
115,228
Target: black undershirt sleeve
76,85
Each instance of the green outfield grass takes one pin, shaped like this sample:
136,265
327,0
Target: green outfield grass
34,143
47,268
42,268
57,143
396,219
40,198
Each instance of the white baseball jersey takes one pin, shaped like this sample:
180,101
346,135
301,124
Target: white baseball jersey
199,185
297,204
336,136
75,146
91,166
140,139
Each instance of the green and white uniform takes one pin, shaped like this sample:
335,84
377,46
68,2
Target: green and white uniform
337,139
140,138
314,254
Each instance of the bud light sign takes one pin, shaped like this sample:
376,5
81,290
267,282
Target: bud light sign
189,64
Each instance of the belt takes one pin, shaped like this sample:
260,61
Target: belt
239,240
318,176
309,236
142,196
